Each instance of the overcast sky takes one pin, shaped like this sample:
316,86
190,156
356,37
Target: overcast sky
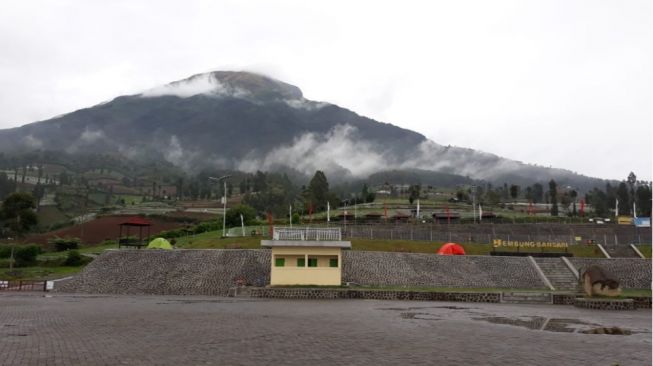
555,83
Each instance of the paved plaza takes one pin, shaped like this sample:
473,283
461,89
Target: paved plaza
63,329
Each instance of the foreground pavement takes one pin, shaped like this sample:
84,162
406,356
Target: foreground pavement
61,329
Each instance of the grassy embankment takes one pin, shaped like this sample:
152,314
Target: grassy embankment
645,249
212,240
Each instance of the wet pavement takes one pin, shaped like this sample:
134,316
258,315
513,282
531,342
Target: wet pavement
64,329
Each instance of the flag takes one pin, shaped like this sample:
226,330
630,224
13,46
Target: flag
616,209
417,212
634,210
328,211
582,208
269,214
480,213
310,212
242,223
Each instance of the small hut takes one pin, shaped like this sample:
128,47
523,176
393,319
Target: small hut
124,238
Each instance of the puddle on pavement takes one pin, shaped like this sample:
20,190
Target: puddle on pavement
560,325
428,307
420,316
174,301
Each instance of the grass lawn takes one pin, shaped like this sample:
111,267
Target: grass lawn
636,292
212,240
645,249
38,273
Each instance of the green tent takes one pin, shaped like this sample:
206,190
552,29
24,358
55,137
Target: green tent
159,243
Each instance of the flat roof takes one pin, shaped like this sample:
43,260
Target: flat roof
306,243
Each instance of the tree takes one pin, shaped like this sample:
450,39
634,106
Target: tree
17,213
514,191
414,193
632,181
538,193
598,200
553,194
623,197
643,200
233,215
318,190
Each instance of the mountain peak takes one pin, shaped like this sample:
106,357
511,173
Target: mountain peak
238,84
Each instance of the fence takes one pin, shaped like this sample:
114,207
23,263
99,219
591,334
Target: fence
306,233
21,285
486,233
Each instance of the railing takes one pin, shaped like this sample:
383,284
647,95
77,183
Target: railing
306,233
23,285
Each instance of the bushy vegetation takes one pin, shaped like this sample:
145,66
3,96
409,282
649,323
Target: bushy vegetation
62,244
24,255
74,258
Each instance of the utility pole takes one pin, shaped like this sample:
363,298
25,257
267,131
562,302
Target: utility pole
474,202
224,209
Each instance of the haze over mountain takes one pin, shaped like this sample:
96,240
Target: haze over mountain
249,122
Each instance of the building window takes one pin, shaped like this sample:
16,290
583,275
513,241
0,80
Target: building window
312,262
333,262
279,262
301,262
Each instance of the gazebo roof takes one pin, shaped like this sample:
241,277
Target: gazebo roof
136,221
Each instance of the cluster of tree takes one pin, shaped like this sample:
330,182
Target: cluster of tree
17,214
628,193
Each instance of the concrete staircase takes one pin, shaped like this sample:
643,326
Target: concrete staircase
526,298
558,274
620,251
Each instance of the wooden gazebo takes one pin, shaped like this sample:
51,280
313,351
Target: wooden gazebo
138,222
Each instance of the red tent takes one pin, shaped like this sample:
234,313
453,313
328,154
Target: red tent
451,249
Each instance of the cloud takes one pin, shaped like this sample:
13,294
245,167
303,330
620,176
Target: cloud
206,84
33,142
339,150
89,136
344,153
305,104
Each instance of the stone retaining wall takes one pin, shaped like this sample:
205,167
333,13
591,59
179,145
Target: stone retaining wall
604,304
213,272
431,270
631,272
315,293
171,272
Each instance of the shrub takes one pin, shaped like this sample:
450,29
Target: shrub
74,259
25,255
5,251
62,244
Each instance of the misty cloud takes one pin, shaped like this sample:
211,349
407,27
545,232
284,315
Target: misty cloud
89,136
206,84
342,152
33,142
305,104
335,151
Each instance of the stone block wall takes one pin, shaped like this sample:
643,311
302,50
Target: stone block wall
168,272
326,293
630,272
431,270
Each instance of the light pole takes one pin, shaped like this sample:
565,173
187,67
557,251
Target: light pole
224,210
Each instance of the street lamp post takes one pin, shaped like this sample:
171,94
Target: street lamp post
224,209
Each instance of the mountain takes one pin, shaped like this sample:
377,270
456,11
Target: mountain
248,122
